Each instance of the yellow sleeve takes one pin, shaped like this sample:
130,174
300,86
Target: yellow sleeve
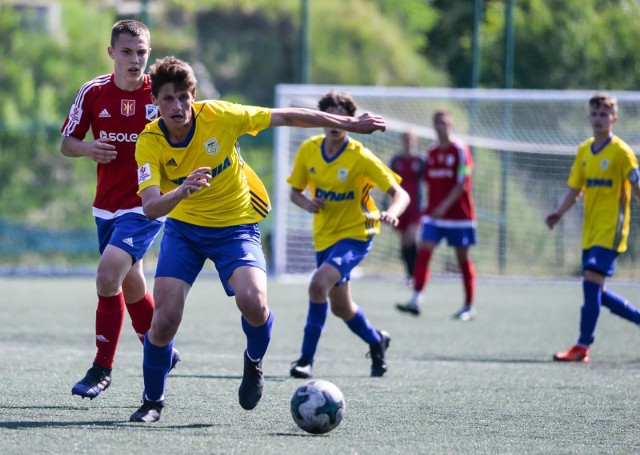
576,176
148,164
380,173
253,118
299,178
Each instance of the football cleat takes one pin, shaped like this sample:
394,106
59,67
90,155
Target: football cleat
466,313
301,369
148,412
94,382
575,353
175,358
377,351
252,384
408,308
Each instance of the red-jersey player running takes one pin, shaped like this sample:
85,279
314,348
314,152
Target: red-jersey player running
449,214
116,107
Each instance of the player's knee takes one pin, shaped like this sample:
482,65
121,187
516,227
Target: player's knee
318,289
345,310
107,284
163,329
256,315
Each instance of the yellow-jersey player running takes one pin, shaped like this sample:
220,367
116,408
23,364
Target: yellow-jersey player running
605,171
340,174
190,169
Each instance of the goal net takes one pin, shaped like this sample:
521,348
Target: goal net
523,144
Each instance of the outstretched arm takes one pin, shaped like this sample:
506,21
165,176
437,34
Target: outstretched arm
567,202
308,118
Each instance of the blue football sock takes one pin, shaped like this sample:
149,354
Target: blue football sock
589,312
316,317
155,368
258,338
620,306
361,326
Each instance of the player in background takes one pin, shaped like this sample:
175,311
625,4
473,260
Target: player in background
116,107
449,214
190,170
605,171
409,165
340,174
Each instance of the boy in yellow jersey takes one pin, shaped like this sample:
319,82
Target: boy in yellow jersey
605,171
340,174
190,169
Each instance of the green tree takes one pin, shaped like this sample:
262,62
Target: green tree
559,44
249,47
40,74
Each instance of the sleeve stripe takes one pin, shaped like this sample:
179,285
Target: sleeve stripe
79,100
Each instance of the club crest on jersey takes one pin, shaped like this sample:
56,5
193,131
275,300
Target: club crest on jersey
343,174
127,107
151,111
212,147
604,164
449,160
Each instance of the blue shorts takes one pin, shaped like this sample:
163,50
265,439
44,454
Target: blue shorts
185,247
344,255
599,259
456,236
130,232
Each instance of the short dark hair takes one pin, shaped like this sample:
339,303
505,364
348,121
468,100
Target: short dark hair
441,113
338,99
130,27
171,70
604,100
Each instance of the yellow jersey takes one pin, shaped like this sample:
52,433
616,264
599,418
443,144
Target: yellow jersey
603,177
345,182
236,195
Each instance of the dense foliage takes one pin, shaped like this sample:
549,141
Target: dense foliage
242,48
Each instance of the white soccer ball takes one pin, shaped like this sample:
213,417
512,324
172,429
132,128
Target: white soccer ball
317,406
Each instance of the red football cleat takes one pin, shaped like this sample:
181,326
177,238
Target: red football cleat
575,353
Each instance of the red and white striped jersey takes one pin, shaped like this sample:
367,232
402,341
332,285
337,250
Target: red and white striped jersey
119,116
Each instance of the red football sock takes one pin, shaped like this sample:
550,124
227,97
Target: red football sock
468,280
421,270
141,313
109,320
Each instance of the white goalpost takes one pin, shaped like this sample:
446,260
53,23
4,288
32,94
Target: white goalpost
523,143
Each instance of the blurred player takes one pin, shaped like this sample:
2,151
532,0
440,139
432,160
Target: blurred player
605,171
190,169
340,174
449,214
410,167
116,107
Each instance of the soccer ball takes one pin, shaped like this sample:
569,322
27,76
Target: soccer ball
317,406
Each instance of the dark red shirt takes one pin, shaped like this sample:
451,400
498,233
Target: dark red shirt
446,168
120,116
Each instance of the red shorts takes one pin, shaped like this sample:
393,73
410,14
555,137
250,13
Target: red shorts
408,218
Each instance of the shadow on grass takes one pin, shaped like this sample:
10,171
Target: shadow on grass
21,425
235,378
300,435
484,360
542,361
